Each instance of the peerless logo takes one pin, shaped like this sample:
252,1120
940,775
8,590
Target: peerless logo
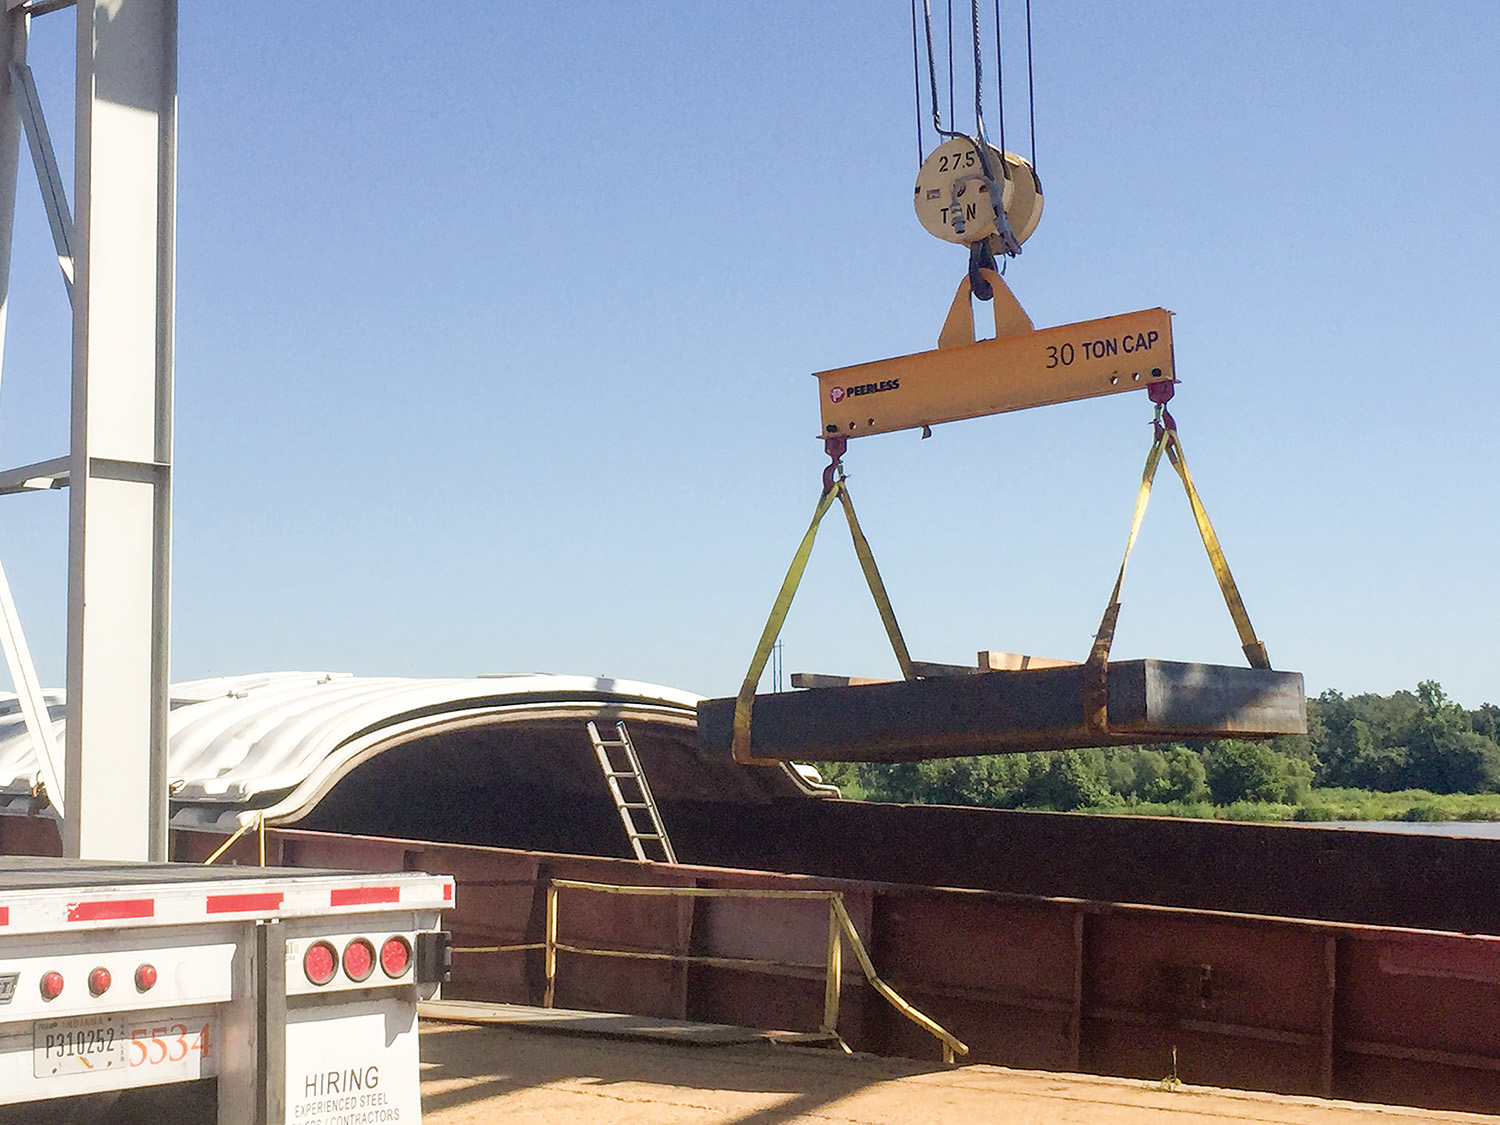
837,395
8,986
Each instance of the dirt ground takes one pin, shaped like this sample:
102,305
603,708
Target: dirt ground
477,1075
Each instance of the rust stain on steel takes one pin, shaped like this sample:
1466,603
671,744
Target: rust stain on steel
1237,972
1240,999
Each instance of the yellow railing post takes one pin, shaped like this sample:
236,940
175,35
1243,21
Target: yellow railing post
550,944
229,843
951,1045
261,820
834,985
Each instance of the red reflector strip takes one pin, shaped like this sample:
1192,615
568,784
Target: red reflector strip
363,896
239,904
4,915
111,910
447,892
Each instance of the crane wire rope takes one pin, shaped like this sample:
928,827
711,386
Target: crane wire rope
952,112
999,95
999,76
932,77
1030,84
916,82
978,78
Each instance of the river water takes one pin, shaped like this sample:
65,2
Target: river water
1488,829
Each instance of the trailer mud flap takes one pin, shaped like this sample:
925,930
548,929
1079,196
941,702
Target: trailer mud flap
352,1062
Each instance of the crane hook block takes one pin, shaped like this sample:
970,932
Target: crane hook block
953,194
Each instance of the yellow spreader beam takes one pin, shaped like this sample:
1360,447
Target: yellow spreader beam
1029,367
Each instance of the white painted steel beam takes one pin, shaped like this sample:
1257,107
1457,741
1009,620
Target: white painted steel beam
29,695
120,472
44,160
13,38
38,476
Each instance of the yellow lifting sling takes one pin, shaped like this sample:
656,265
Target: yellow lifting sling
833,486
1096,692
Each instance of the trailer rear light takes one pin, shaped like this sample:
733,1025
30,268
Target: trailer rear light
359,959
99,981
52,985
145,978
320,962
395,956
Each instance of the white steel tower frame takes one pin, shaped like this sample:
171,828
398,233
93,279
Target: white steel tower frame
118,261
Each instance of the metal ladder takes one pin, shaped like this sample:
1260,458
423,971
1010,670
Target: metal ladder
631,805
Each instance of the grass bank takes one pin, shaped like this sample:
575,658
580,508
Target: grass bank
1321,805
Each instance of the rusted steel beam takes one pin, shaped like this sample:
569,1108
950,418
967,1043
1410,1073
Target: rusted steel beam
1013,711
1419,880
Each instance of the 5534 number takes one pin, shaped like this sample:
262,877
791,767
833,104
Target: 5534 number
152,1046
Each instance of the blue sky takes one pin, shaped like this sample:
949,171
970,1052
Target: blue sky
495,326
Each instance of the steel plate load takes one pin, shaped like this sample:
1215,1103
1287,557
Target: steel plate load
1011,712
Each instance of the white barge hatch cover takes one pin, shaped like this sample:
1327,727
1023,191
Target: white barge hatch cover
282,742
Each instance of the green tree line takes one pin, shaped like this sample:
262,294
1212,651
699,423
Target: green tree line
1416,746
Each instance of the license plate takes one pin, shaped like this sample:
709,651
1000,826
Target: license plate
154,1047
79,1045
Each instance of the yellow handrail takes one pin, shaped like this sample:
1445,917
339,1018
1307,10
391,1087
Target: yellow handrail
258,823
840,928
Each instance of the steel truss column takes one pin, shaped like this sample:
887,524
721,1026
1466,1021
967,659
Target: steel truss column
120,464
14,31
